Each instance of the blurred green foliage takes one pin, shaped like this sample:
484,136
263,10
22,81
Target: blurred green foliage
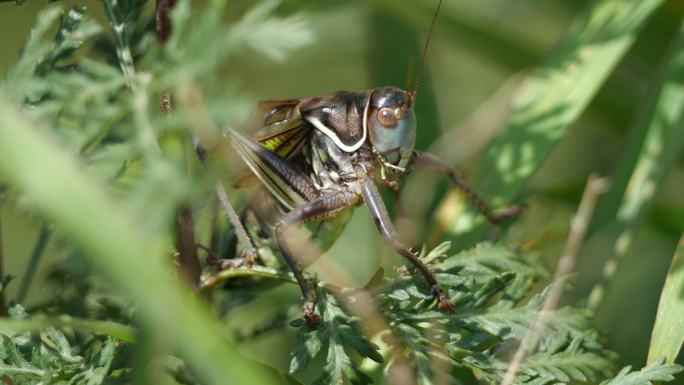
530,96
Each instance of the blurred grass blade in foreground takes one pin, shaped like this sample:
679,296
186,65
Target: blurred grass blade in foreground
57,186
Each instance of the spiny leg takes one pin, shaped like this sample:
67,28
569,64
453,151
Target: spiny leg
426,161
318,208
375,205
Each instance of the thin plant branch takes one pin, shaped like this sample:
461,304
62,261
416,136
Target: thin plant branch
163,27
185,226
578,230
187,246
211,282
163,21
36,256
3,304
41,322
250,251
204,131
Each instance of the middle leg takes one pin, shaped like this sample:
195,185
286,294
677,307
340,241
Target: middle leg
323,207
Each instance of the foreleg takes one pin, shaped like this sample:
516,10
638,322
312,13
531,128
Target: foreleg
375,205
319,208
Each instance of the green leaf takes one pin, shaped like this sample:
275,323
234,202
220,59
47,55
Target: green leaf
58,341
668,331
24,80
308,347
118,13
197,49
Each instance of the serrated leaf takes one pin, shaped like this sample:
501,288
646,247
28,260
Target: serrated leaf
337,332
657,371
309,346
360,343
486,317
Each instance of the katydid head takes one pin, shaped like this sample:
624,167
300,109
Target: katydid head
392,125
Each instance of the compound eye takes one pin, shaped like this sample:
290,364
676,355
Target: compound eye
387,117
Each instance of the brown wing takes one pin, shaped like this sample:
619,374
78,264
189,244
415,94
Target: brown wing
284,131
278,110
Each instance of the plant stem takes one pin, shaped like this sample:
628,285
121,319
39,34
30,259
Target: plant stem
3,307
578,230
187,247
185,231
38,249
249,249
163,20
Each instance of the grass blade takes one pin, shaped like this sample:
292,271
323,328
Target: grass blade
668,331
639,176
552,98
655,142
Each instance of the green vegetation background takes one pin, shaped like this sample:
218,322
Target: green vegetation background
480,52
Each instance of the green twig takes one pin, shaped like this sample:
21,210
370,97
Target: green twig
38,323
211,282
38,249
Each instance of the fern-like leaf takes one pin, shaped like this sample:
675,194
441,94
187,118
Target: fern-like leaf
658,371
336,331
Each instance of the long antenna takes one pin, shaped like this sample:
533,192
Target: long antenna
409,73
419,74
